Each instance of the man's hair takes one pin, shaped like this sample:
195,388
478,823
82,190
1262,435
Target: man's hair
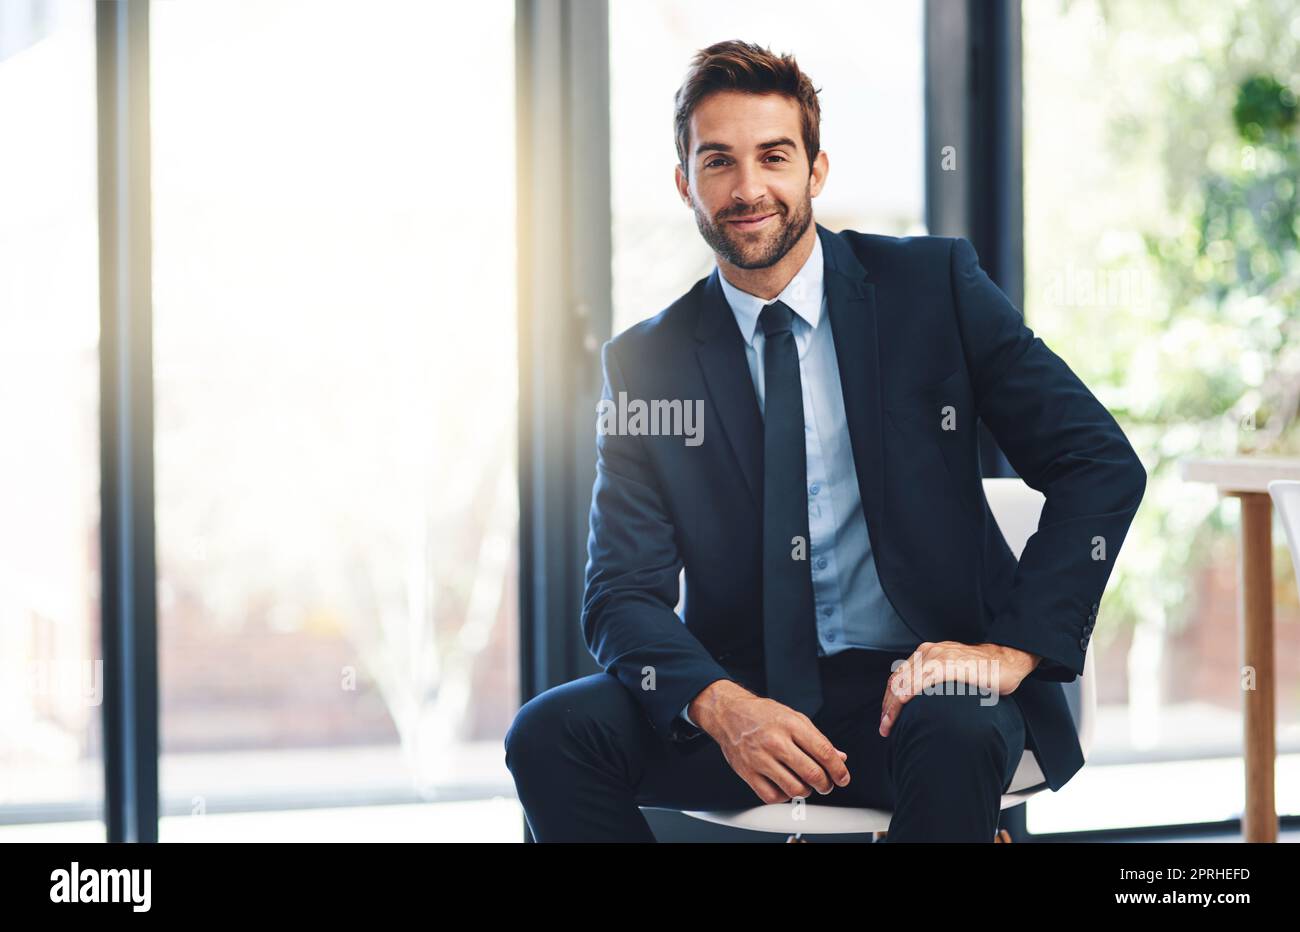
742,66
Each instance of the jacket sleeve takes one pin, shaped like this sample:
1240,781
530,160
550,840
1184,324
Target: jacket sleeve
632,580
1063,442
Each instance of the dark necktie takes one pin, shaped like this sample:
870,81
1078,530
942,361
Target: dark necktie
789,625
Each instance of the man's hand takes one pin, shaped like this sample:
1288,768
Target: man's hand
986,666
775,749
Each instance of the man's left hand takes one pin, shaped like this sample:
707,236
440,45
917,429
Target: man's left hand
982,666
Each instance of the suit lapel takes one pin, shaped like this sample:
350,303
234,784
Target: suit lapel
852,302
721,355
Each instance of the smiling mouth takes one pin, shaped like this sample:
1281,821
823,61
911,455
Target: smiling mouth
751,223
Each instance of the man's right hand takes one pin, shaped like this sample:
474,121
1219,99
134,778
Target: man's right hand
775,749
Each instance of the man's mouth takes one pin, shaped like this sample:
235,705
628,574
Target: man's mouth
751,223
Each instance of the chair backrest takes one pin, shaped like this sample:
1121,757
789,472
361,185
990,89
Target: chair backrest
1016,507
1286,499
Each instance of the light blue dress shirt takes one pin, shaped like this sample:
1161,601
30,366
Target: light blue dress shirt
850,606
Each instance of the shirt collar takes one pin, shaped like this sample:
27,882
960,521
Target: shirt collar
803,295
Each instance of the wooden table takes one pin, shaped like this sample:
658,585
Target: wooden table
1247,478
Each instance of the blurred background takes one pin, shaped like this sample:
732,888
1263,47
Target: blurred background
335,389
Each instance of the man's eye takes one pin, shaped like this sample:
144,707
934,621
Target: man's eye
711,162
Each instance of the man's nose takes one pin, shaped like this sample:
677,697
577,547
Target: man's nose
749,187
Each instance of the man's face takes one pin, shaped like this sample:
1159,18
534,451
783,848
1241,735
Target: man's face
748,163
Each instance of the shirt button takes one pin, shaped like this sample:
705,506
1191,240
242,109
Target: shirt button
831,636
814,488
821,563
828,611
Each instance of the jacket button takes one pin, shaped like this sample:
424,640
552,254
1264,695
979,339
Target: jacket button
1083,643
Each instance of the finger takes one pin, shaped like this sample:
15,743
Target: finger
829,758
931,673
783,777
888,717
765,789
903,674
807,768
897,692
896,696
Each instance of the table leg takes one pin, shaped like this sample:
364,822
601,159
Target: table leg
1259,822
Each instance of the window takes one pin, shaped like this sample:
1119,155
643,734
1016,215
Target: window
51,688
1180,348
335,403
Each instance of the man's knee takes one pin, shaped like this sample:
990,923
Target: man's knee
950,721
530,728
549,723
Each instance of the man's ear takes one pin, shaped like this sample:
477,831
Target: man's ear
821,165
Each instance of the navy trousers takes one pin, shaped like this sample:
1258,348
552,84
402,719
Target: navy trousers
584,758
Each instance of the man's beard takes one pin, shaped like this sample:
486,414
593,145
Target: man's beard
758,252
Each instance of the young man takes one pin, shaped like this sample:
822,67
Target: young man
854,623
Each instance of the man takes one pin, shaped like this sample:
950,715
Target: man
854,623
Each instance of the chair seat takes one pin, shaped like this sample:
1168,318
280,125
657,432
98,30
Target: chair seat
819,819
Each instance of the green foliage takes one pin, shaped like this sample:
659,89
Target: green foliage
1230,265
1265,110
1196,149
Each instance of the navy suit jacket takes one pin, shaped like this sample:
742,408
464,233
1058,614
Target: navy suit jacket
918,326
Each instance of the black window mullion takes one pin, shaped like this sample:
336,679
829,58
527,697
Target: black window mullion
127,565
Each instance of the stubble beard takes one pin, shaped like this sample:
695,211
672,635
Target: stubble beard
761,252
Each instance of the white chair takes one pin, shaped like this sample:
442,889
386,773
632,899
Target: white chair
1286,499
1016,507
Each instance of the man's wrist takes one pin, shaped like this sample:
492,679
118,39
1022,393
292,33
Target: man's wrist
709,700
1021,657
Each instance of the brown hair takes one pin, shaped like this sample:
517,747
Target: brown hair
743,66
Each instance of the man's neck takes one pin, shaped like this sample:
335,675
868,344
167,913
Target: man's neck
769,282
